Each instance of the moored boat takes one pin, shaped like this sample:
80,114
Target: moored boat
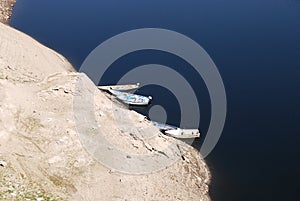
176,132
125,87
163,127
131,99
183,133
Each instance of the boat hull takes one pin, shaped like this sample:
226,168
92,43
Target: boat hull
176,132
131,99
126,87
183,133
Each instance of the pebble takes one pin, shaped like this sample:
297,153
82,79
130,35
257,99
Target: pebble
3,164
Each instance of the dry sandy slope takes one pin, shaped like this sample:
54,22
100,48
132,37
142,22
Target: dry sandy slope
45,159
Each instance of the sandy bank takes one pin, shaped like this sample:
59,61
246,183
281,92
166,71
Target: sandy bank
40,149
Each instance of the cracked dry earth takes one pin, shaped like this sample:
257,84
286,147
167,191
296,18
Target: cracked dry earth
41,155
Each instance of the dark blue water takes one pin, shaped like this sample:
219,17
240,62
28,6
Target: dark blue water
256,47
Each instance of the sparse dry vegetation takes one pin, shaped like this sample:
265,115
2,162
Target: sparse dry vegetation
13,186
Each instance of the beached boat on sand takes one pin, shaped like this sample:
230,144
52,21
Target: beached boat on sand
177,132
183,133
125,87
131,99
163,127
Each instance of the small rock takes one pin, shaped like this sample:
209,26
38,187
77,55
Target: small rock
3,164
111,171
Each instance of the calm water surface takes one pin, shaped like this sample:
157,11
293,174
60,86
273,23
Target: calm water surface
256,47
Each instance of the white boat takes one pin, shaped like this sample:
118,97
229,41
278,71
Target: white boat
125,87
131,99
183,133
177,132
163,127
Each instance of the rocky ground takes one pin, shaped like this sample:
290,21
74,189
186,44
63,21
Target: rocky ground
6,7
43,155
